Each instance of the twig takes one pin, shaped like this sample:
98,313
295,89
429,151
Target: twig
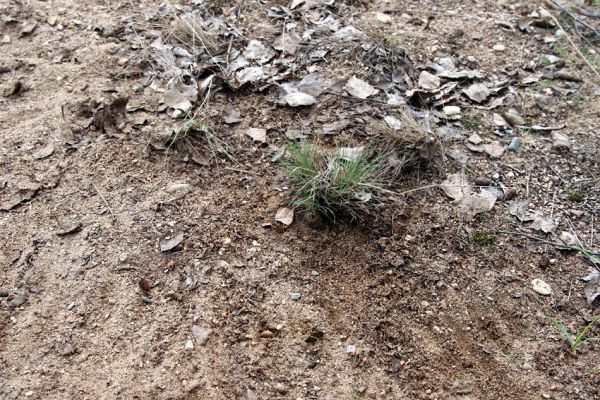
574,45
105,202
560,246
561,8
242,171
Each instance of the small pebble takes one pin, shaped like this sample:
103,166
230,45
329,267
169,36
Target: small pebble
18,301
295,296
266,334
3,293
541,287
189,345
515,143
351,349
451,111
499,47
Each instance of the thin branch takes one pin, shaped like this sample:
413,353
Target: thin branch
560,246
575,46
105,202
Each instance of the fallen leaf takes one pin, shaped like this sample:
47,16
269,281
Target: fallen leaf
359,88
23,195
429,81
592,287
256,50
520,209
181,97
541,287
456,186
544,224
171,240
257,134
44,152
201,335
494,149
232,116
474,204
349,153
285,215
478,92
296,99
336,126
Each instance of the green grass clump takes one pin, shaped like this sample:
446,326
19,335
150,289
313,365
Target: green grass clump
575,197
335,184
578,339
481,238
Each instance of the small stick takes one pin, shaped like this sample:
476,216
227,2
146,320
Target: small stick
105,202
242,171
561,8
541,240
574,45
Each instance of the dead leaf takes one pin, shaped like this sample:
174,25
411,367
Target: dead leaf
288,42
334,127
232,116
474,204
429,81
359,88
111,118
23,195
44,152
181,97
171,240
544,224
494,149
285,215
592,287
456,186
296,99
257,134
477,92
520,209
349,153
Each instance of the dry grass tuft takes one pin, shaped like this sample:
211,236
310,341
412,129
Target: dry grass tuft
191,30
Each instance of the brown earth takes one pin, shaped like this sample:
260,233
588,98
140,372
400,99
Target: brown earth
404,306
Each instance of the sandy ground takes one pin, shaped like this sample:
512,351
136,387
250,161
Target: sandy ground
402,307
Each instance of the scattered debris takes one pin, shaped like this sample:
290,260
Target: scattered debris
25,193
474,204
541,287
285,215
171,240
44,152
592,287
359,88
456,186
257,134
201,335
